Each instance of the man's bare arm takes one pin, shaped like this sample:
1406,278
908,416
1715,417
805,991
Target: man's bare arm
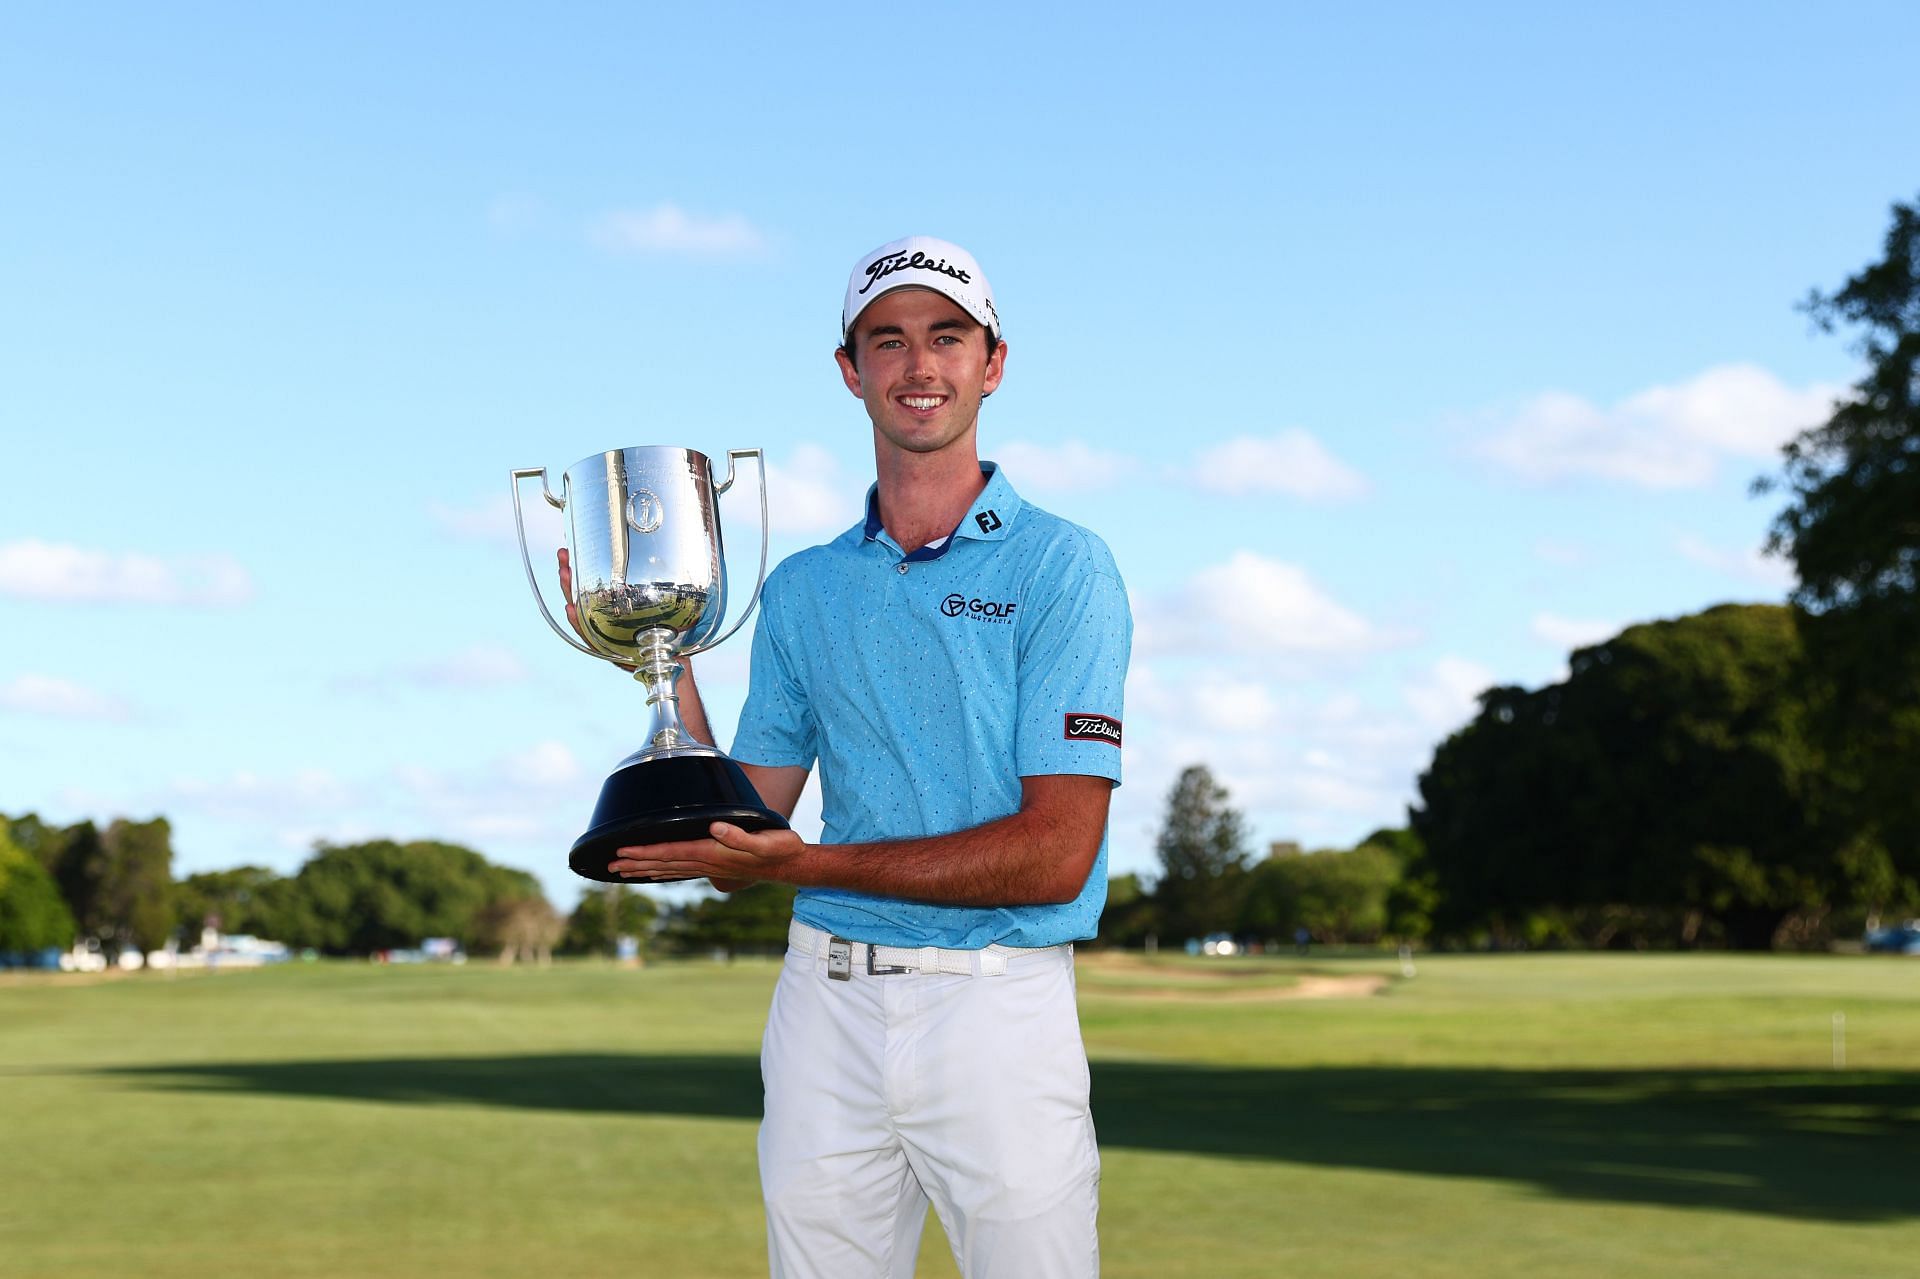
779,790
1042,853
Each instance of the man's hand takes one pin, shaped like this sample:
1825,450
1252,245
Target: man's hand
573,610
731,858
1041,854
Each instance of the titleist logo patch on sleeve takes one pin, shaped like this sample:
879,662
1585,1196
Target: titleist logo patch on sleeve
1093,728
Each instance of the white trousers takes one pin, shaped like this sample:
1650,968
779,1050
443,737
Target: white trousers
884,1092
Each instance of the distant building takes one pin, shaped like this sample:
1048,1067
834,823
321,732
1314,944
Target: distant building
221,950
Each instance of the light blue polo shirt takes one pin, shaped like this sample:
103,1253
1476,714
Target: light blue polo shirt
927,685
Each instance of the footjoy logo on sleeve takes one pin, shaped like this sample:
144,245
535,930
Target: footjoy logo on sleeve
979,610
1093,728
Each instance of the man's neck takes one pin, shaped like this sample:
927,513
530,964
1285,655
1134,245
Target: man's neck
924,496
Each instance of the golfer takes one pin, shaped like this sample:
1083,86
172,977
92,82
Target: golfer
953,663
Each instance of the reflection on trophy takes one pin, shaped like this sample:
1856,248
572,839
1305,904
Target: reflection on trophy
650,586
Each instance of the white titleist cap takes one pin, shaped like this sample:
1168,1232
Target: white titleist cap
920,262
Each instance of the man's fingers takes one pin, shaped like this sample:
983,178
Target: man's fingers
566,592
764,846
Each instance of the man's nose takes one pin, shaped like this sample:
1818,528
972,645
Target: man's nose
920,364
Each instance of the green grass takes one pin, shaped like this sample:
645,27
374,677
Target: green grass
1492,1116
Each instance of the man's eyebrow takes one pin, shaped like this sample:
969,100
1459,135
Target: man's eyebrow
894,330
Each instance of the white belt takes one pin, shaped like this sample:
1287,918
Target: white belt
880,961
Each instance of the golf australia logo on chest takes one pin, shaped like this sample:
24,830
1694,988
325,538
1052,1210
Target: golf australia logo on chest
979,610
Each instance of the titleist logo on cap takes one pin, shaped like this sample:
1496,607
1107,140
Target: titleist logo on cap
880,268
1082,727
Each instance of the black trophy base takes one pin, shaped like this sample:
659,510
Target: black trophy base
660,801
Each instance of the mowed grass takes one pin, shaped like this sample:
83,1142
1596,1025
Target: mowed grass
1489,1116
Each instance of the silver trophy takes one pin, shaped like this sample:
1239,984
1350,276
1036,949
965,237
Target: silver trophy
650,587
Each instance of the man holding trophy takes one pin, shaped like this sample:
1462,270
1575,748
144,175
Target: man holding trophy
954,663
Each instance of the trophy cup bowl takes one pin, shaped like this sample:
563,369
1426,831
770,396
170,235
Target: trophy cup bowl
650,587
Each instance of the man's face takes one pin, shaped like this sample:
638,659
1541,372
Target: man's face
923,369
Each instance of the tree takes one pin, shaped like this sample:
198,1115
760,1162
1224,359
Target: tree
359,898
605,914
1338,896
519,928
117,884
76,858
1203,858
1852,529
1673,769
753,919
32,915
42,841
134,903
1129,916
244,899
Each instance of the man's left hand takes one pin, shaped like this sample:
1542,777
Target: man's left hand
730,854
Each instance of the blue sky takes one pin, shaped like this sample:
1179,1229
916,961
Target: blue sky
1394,352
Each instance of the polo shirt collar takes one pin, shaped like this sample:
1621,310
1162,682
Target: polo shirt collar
988,520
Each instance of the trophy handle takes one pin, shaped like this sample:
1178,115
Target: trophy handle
520,528
760,462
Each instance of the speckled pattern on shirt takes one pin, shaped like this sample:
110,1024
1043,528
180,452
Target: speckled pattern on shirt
927,685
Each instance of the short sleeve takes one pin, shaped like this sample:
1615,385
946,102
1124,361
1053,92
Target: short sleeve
1072,677
776,724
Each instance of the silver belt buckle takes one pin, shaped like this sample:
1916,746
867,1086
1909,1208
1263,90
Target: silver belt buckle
881,970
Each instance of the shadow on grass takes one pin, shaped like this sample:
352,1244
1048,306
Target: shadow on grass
1836,1147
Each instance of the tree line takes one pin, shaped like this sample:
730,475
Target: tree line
1675,789
113,887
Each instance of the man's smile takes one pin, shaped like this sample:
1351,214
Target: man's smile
921,403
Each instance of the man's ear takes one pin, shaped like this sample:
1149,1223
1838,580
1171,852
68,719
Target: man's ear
848,373
996,369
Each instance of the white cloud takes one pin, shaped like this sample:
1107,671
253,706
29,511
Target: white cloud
246,794
1292,463
1751,565
1662,437
808,493
539,796
476,666
542,770
59,698
480,666
544,764
1446,694
1572,632
1068,467
1301,761
669,229
39,570
1225,705
1252,604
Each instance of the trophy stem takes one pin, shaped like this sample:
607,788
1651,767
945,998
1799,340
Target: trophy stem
659,673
